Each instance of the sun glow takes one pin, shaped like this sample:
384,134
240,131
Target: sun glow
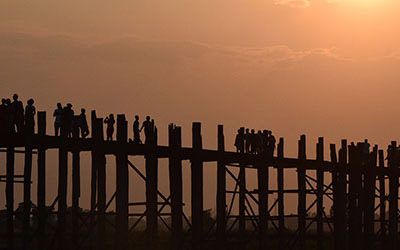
362,3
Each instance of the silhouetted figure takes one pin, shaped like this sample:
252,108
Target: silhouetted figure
147,126
17,109
30,112
366,147
253,139
67,118
271,144
110,121
136,131
57,114
259,142
83,124
247,140
76,125
239,141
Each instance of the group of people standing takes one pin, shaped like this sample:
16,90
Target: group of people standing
14,118
248,141
66,122
147,125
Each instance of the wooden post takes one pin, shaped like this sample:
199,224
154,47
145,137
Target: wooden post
301,182
10,157
100,163
93,180
27,190
122,186
393,197
197,187
262,177
339,200
281,198
382,201
76,190
151,190
320,194
41,181
369,198
242,200
62,192
175,186
355,188
221,190
334,162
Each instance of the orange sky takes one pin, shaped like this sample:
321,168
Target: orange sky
324,68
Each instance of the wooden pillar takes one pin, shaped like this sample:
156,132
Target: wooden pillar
93,178
151,166
320,194
41,181
99,161
197,187
62,192
122,186
242,200
281,198
355,187
175,186
393,199
76,190
262,181
369,199
334,162
10,157
27,191
382,200
221,190
301,182
339,195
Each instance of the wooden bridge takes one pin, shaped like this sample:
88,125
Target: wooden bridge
361,187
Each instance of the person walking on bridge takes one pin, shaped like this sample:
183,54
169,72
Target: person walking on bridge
17,109
147,126
110,121
83,124
57,114
30,112
239,141
136,131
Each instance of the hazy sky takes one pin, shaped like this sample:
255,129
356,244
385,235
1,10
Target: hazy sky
324,68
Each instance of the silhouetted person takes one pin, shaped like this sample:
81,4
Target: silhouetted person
67,119
247,140
17,109
259,142
83,124
366,147
136,131
57,114
271,144
30,112
110,121
76,124
253,138
239,140
147,126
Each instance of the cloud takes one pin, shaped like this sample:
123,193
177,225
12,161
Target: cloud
293,3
